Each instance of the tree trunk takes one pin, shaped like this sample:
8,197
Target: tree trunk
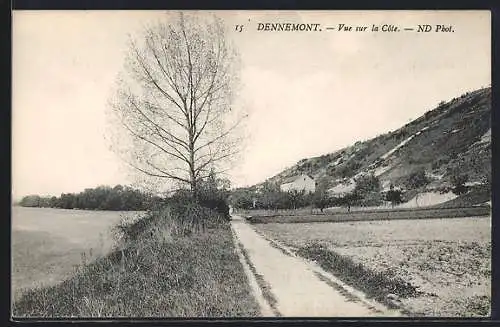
192,171
194,186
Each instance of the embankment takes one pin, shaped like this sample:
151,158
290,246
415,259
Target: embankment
165,268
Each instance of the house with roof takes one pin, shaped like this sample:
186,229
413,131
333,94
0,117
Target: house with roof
299,183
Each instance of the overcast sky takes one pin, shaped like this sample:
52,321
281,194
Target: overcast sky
307,93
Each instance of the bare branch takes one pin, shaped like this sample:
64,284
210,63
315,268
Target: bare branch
174,98
227,132
153,143
173,138
215,159
140,60
167,174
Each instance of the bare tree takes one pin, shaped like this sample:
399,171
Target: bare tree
171,114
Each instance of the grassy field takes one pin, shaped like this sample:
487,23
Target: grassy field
155,274
263,217
437,267
47,244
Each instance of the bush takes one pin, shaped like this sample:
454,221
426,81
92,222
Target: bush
179,215
366,184
416,179
348,169
349,200
438,163
394,196
458,181
372,199
320,198
242,199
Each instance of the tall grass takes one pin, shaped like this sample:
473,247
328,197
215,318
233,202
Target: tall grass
170,263
376,285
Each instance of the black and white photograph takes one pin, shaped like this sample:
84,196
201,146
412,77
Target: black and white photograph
251,164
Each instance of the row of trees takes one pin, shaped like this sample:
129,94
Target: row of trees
270,196
273,199
367,192
99,198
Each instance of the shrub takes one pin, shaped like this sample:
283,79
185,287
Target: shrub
179,215
367,184
458,181
371,199
242,199
348,169
416,179
349,200
439,163
394,196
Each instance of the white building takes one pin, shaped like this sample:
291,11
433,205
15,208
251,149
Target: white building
299,183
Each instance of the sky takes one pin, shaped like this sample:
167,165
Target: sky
306,93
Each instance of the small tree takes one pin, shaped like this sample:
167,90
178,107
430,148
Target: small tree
321,201
482,168
417,181
350,199
296,198
270,196
394,196
242,199
320,197
214,193
458,181
368,189
53,202
366,184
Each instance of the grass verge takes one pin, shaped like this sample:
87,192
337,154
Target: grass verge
396,214
155,274
376,285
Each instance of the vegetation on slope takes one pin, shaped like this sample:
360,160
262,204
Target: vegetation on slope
441,151
446,140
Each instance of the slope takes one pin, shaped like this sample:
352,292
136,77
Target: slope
455,137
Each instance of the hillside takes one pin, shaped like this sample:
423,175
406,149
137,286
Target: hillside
454,137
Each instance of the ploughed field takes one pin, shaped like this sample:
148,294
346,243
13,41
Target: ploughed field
447,261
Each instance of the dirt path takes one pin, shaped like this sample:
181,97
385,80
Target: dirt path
295,286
